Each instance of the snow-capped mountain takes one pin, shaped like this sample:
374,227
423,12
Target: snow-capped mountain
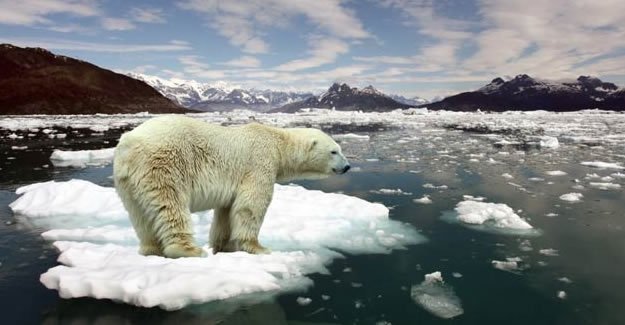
219,96
413,101
345,98
526,93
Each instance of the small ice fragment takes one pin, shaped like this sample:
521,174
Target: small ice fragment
325,297
561,294
602,165
437,297
549,252
549,142
555,173
303,301
456,275
565,280
571,197
605,186
506,265
391,191
424,200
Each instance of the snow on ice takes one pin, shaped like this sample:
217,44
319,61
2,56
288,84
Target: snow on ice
304,229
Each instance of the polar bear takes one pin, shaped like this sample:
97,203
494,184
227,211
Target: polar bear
171,166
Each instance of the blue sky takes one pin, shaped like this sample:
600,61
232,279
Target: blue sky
410,47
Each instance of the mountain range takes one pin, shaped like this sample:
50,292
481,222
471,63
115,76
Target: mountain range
219,96
342,97
526,93
36,81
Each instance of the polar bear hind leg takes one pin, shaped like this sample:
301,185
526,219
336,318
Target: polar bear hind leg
220,230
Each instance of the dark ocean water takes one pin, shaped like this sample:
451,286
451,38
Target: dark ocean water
375,289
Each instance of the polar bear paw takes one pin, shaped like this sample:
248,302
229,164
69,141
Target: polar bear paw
178,250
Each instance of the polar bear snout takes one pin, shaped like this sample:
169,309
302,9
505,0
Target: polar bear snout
342,167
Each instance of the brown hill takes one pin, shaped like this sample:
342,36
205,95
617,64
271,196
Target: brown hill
36,81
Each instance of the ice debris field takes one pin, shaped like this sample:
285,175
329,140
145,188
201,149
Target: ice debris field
306,230
98,246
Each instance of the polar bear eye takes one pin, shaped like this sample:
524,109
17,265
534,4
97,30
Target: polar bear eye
334,152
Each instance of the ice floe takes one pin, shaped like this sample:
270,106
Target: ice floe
605,186
490,217
602,165
437,297
305,229
82,158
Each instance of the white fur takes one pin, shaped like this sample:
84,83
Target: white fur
171,166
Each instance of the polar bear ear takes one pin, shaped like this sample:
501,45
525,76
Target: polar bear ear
312,144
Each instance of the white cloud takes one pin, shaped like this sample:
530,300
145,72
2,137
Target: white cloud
34,12
192,65
244,62
117,24
243,22
322,51
56,44
147,15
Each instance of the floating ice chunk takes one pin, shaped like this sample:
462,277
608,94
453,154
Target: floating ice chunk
562,294
429,185
555,173
549,142
497,215
506,175
549,252
391,191
571,197
511,264
350,136
82,158
602,165
456,275
436,297
551,214
605,186
19,147
536,179
618,175
303,301
474,198
424,200
565,280
99,258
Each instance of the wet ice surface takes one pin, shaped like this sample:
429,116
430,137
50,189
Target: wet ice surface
446,158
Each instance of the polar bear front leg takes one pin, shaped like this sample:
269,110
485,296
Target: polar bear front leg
246,218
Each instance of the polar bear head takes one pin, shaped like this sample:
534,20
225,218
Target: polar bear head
319,155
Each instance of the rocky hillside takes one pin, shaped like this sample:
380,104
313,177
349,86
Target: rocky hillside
342,97
36,81
526,93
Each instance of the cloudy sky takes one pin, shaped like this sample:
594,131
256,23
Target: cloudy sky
410,47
